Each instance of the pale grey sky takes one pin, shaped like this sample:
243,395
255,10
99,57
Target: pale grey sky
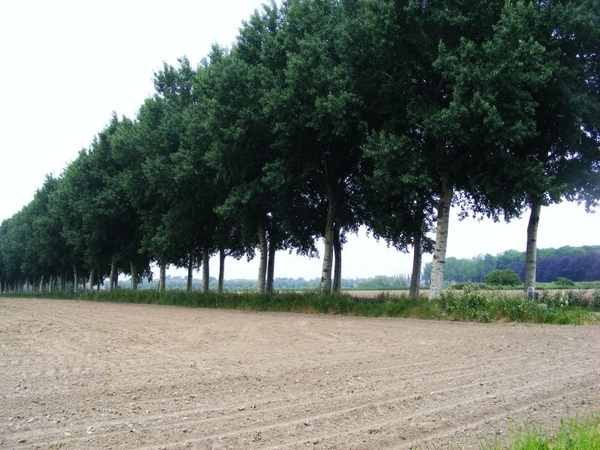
65,65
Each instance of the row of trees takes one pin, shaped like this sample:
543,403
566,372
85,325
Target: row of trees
324,116
574,263
379,282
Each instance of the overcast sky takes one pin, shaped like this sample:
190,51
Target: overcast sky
66,65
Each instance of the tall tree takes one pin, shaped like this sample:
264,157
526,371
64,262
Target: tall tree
318,140
537,78
410,88
171,218
565,152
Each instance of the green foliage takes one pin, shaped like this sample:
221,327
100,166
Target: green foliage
382,282
580,434
472,304
325,116
552,262
571,297
564,282
502,277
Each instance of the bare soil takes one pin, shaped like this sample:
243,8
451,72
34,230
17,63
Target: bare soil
97,375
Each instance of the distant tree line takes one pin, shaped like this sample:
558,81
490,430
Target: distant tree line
379,282
573,263
324,116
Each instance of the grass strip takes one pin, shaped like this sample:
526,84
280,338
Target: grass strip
471,304
572,434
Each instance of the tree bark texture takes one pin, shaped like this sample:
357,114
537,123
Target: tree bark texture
262,268
441,240
326,272
190,274
113,276
162,278
271,269
205,270
337,263
222,256
75,280
134,279
415,277
531,253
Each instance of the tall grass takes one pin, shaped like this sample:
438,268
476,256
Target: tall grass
472,304
572,434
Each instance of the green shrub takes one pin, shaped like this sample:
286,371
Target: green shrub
564,282
595,302
472,304
503,277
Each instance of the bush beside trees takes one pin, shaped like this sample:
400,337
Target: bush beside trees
503,277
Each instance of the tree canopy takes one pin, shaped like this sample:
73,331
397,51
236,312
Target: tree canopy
325,116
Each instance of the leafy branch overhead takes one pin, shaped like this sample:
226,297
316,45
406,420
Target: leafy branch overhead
323,117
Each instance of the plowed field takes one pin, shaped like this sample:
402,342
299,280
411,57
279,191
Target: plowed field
96,375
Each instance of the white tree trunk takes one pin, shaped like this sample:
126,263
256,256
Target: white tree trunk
441,240
531,253
112,282
326,272
75,280
162,277
262,268
134,279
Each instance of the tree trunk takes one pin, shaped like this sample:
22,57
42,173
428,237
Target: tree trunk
222,256
205,270
531,253
162,278
415,278
271,269
262,268
337,263
190,274
75,280
63,282
441,240
328,251
91,280
113,275
134,279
